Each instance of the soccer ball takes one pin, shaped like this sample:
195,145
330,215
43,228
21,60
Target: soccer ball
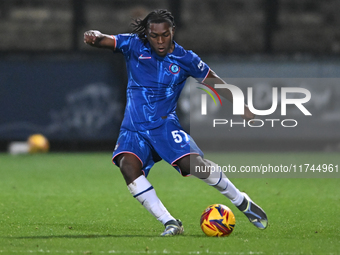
217,220
38,143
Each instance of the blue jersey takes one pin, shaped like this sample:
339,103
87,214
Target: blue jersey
154,82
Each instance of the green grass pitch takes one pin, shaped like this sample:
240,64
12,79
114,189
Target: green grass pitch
64,203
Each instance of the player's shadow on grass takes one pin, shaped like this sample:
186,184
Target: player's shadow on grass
77,236
90,236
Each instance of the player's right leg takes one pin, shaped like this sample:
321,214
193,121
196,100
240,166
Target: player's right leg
141,189
130,167
135,160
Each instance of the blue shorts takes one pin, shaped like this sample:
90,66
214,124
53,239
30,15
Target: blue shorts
168,142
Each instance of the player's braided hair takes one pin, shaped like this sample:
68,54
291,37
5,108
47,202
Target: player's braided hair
157,16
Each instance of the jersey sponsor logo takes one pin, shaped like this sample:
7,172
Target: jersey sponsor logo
174,69
143,57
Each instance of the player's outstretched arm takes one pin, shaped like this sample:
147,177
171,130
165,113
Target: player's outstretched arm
96,39
212,79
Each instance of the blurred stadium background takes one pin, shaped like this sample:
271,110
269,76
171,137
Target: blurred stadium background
51,83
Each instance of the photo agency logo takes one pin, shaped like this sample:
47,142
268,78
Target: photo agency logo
239,103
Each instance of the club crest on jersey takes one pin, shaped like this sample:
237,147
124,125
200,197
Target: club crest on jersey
174,69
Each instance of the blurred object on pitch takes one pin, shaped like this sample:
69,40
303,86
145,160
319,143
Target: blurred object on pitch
36,143
17,147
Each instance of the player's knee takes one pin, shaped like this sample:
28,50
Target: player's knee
195,165
199,168
130,167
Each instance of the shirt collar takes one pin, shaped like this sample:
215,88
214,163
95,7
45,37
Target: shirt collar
147,48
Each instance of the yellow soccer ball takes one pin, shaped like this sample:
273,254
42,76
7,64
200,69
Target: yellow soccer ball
38,143
217,220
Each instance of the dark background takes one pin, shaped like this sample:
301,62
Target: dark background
51,83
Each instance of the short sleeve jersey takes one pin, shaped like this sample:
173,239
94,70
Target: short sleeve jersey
154,82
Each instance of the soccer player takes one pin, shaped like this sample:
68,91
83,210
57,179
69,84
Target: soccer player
157,69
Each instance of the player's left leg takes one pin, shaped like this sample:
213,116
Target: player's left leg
176,147
212,176
217,179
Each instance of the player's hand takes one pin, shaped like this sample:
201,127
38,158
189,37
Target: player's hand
248,115
92,37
